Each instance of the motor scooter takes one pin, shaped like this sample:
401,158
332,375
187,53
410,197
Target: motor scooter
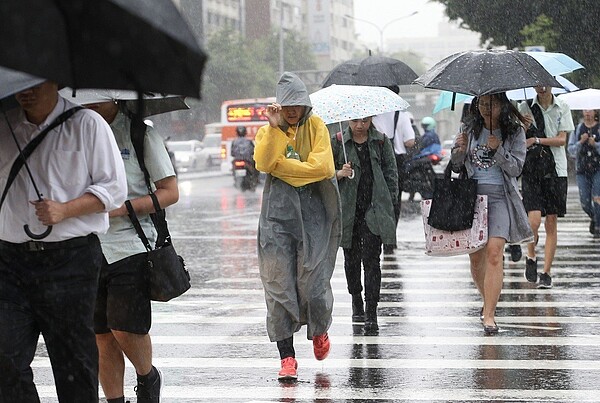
420,176
245,176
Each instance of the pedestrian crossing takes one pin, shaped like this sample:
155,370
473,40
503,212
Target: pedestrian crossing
211,343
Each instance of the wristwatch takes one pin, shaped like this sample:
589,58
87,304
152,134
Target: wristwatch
537,140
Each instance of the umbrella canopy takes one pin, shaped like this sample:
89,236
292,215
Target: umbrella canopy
529,93
338,103
377,71
153,104
556,63
480,72
582,100
12,81
445,99
122,44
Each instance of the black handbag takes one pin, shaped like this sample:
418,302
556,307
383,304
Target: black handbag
539,160
453,202
167,276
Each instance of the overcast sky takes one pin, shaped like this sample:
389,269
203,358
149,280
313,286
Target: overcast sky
381,12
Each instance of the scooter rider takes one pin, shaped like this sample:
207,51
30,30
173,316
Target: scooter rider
243,149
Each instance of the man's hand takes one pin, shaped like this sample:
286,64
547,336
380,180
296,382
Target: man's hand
49,212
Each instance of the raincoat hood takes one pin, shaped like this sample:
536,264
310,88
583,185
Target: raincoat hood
291,91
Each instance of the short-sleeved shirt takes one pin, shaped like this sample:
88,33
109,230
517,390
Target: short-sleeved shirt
121,240
404,129
557,118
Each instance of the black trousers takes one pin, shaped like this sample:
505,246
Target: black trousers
52,292
365,250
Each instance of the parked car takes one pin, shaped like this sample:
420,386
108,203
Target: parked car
188,154
211,151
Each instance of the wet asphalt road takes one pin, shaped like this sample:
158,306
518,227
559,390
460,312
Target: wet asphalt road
212,346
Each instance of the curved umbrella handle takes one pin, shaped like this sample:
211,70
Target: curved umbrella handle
37,236
351,175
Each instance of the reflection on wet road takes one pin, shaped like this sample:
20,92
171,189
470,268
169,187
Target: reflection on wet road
212,346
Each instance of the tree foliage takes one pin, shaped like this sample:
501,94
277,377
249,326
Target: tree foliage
240,68
567,26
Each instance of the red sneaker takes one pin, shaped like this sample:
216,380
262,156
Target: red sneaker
321,346
288,371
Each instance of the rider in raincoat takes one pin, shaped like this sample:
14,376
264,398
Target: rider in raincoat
299,226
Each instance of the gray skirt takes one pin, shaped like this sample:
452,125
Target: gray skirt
498,217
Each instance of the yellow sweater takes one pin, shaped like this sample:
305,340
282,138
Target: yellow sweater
311,142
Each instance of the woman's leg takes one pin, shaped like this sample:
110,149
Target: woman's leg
478,269
492,284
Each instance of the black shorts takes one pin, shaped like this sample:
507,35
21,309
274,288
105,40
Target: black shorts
548,195
123,302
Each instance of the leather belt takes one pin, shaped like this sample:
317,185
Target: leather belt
37,246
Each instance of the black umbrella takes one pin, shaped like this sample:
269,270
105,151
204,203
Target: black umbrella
481,72
154,104
377,71
120,44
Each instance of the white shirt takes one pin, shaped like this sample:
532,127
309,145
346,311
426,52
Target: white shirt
121,240
557,118
384,123
80,156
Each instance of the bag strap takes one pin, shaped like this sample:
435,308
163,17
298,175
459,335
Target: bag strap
538,116
137,226
31,146
138,134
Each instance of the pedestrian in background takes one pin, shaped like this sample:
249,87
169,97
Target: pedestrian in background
299,225
397,126
546,196
368,219
492,150
50,286
584,146
123,313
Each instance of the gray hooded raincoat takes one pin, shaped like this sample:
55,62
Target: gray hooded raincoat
299,227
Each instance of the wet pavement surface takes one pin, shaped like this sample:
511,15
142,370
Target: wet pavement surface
211,343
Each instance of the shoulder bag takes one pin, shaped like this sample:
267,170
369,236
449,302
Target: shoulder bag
167,276
539,160
453,202
451,243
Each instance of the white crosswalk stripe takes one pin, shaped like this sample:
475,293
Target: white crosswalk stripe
212,346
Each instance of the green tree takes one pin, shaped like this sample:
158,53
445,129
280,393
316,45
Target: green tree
239,68
540,31
515,23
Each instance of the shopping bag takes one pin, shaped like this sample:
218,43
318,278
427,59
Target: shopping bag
453,202
451,243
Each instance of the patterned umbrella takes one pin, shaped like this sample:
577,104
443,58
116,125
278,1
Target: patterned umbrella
338,103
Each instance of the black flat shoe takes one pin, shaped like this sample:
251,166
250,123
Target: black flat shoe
489,330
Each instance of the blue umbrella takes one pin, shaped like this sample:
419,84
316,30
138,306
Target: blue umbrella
556,63
445,100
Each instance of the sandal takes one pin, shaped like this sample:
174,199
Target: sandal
492,329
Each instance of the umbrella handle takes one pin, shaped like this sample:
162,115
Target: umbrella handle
37,236
351,175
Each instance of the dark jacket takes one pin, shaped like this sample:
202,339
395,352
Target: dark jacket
380,215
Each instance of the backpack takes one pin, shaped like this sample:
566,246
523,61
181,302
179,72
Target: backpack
539,160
